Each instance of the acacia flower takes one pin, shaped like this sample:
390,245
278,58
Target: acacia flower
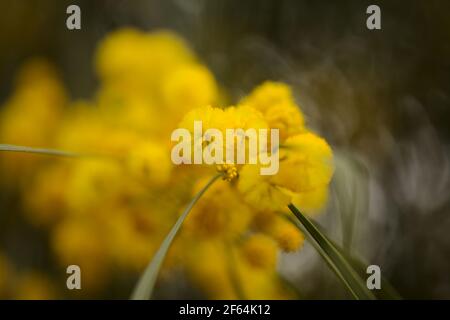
117,207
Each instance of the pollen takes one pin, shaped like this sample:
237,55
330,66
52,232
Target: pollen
229,171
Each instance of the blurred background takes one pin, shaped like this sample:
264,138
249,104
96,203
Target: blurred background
381,98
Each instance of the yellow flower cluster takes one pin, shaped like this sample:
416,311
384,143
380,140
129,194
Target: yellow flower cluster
306,165
30,117
305,171
276,102
109,210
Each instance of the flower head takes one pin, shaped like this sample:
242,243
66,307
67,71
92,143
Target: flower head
276,102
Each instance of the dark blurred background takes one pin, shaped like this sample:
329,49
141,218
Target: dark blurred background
382,99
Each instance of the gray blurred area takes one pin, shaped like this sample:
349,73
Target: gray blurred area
381,98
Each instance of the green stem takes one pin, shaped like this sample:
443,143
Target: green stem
146,284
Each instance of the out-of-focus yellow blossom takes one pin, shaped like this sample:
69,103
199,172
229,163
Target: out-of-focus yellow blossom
260,251
150,163
208,266
276,102
44,198
140,59
260,284
130,237
288,237
34,286
77,242
30,116
128,111
222,274
190,86
87,131
93,184
220,213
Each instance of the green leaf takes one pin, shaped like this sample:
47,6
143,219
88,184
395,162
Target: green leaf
333,257
146,284
51,152
387,291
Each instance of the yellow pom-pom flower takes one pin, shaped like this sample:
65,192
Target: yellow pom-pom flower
260,251
308,157
219,214
306,164
78,242
149,162
288,237
187,87
139,59
276,102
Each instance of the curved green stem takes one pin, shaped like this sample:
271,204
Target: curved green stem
146,283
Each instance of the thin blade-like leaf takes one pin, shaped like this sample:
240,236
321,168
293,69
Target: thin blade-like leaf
146,284
333,257
51,152
387,291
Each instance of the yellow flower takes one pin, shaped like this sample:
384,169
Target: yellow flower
93,184
260,251
277,104
208,267
288,237
140,59
130,237
311,202
150,163
125,110
259,283
30,117
229,171
259,191
31,114
187,87
305,165
241,117
88,131
307,157
80,242
218,214
45,197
